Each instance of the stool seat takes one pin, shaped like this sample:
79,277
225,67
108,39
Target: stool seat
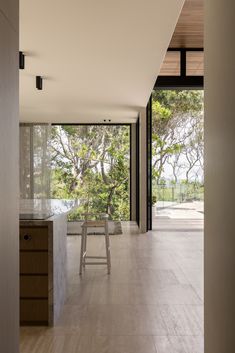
91,224
97,223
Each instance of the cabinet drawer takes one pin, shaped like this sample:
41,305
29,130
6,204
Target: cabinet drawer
33,238
34,287
34,311
34,263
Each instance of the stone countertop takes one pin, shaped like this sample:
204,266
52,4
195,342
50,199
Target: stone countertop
53,207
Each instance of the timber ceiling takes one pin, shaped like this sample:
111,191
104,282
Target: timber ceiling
189,29
188,34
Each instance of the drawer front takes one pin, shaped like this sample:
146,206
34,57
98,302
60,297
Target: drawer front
34,311
34,287
33,238
34,263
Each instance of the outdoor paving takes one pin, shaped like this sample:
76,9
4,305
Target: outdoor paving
185,210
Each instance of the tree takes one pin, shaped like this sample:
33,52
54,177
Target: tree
177,132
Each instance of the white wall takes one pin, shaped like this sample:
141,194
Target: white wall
9,223
219,176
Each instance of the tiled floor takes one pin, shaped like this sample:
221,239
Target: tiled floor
151,303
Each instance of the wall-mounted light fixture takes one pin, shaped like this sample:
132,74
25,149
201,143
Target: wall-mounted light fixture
21,60
39,82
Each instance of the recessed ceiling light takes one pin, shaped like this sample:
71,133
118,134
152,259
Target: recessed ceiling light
21,60
39,82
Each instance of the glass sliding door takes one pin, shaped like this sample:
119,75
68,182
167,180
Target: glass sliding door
178,153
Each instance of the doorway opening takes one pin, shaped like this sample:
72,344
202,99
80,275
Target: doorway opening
177,154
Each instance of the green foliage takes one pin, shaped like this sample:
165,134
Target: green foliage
177,129
179,102
90,163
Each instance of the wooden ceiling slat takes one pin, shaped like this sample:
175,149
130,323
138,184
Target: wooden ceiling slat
171,64
189,29
188,34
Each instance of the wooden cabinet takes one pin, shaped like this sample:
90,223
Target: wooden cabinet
35,275
34,311
34,286
34,238
33,263
42,270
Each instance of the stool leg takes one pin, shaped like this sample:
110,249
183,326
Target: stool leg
84,246
107,244
82,251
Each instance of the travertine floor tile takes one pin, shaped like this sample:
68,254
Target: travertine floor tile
151,303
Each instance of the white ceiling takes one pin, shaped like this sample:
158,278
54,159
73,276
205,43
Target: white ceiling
99,58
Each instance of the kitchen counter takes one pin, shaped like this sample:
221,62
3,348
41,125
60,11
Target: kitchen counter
43,258
51,206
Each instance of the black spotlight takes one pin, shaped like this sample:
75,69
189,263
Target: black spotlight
39,82
21,60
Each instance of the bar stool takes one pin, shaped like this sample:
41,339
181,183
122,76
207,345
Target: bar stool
101,221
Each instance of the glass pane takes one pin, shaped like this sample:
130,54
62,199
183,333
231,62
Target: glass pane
195,63
34,161
171,64
178,154
91,163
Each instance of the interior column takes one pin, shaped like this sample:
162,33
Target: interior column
143,172
9,177
219,176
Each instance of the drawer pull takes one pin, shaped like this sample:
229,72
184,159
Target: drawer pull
27,237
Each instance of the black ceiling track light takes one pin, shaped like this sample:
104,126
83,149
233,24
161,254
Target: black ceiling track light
21,60
39,82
